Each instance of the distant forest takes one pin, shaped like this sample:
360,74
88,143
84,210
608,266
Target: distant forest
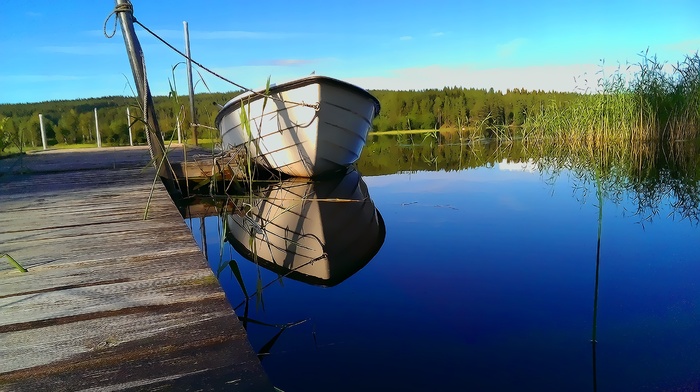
72,121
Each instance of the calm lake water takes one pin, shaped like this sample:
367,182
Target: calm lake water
484,276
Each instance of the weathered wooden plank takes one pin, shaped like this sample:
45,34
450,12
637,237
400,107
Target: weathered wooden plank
74,161
19,311
90,235
61,340
111,301
93,242
113,352
102,182
96,334
96,271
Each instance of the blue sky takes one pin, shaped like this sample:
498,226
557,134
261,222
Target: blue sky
57,50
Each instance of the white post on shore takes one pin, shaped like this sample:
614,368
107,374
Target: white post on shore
43,132
128,122
97,131
179,131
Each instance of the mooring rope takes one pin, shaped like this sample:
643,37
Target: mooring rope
128,7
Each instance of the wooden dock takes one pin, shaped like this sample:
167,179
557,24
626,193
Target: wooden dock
110,301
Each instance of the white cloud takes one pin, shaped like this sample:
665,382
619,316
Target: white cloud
689,46
518,166
283,62
235,34
510,48
253,76
99,49
170,34
405,38
574,77
38,78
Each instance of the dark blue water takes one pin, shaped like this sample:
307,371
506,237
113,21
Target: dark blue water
485,281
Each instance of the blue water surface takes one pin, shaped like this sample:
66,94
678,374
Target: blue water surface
485,281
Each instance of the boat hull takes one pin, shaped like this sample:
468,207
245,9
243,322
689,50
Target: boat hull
306,128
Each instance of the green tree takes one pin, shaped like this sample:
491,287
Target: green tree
32,130
118,131
4,135
68,127
86,125
12,130
437,111
519,114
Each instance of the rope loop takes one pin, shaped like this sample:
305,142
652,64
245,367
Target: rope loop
125,7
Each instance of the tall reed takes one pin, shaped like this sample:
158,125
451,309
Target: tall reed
651,104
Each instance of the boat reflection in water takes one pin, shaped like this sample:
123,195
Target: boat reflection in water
317,232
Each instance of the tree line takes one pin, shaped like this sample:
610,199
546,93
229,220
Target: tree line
72,121
455,107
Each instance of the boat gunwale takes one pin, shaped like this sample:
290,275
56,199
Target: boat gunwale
236,102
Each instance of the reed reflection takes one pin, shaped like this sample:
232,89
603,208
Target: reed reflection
651,172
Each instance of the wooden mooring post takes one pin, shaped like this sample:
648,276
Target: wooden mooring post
138,67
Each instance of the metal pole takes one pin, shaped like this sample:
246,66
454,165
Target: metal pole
97,131
43,132
128,119
138,68
193,114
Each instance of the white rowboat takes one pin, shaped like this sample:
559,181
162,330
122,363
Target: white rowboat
305,128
